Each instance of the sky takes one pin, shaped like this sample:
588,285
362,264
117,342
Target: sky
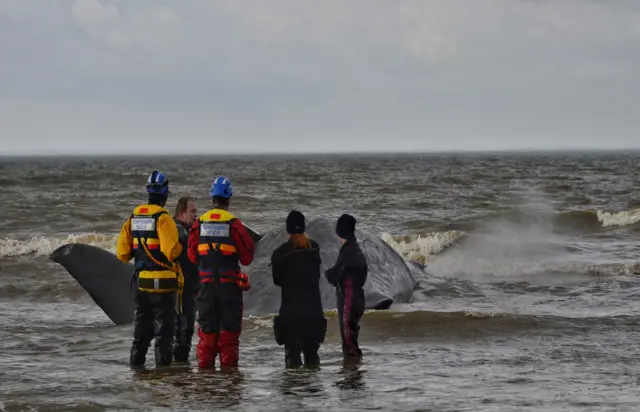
257,76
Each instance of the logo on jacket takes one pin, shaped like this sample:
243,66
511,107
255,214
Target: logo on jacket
214,230
143,224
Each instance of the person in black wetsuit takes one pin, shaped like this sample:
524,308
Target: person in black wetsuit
185,214
348,275
300,324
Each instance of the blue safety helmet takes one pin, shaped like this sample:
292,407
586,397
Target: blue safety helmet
157,184
221,187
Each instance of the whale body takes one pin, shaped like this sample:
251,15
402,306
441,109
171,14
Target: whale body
108,281
390,278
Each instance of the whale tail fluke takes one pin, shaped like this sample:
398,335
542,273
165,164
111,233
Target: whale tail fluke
106,279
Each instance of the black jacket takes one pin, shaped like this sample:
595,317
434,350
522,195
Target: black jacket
297,273
189,270
351,263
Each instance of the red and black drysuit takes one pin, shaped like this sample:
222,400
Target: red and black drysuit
348,275
218,243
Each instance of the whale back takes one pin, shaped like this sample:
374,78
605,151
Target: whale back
389,278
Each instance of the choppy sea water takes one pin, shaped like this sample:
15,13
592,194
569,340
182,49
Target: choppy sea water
529,301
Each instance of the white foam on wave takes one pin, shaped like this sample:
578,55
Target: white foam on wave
422,248
624,218
43,246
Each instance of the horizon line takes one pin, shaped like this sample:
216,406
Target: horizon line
320,153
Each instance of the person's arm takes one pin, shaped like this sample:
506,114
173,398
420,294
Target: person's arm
350,260
364,269
244,243
183,236
333,274
278,265
169,238
124,244
354,265
194,239
276,272
316,246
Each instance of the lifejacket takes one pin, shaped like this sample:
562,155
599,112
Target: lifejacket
155,273
183,232
216,248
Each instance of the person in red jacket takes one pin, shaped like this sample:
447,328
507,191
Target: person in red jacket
218,244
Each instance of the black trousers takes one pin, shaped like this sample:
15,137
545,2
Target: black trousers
351,306
155,317
293,351
300,336
185,323
220,308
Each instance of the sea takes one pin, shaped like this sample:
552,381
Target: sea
529,301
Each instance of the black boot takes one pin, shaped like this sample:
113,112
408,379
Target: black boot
311,356
165,324
142,330
184,334
138,354
292,358
181,353
163,356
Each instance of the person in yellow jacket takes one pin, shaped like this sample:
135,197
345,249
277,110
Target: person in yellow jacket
150,237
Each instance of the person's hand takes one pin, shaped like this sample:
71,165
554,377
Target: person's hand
243,282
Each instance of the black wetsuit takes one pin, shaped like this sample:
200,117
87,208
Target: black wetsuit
348,275
300,324
185,323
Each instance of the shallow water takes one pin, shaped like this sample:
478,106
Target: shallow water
529,303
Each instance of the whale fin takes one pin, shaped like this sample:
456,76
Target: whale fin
254,235
106,279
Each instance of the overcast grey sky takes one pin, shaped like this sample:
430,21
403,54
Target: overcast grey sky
229,75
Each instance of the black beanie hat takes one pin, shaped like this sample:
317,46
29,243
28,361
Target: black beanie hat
346,226
295,222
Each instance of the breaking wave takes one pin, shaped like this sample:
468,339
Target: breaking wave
576,219
421,248
624,218
43,246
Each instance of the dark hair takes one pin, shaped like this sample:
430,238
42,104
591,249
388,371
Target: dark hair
182,204
220,200
158,200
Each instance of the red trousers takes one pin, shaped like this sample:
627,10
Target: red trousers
220,309
211,345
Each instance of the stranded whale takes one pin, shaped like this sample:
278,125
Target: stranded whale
109,281
390,278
